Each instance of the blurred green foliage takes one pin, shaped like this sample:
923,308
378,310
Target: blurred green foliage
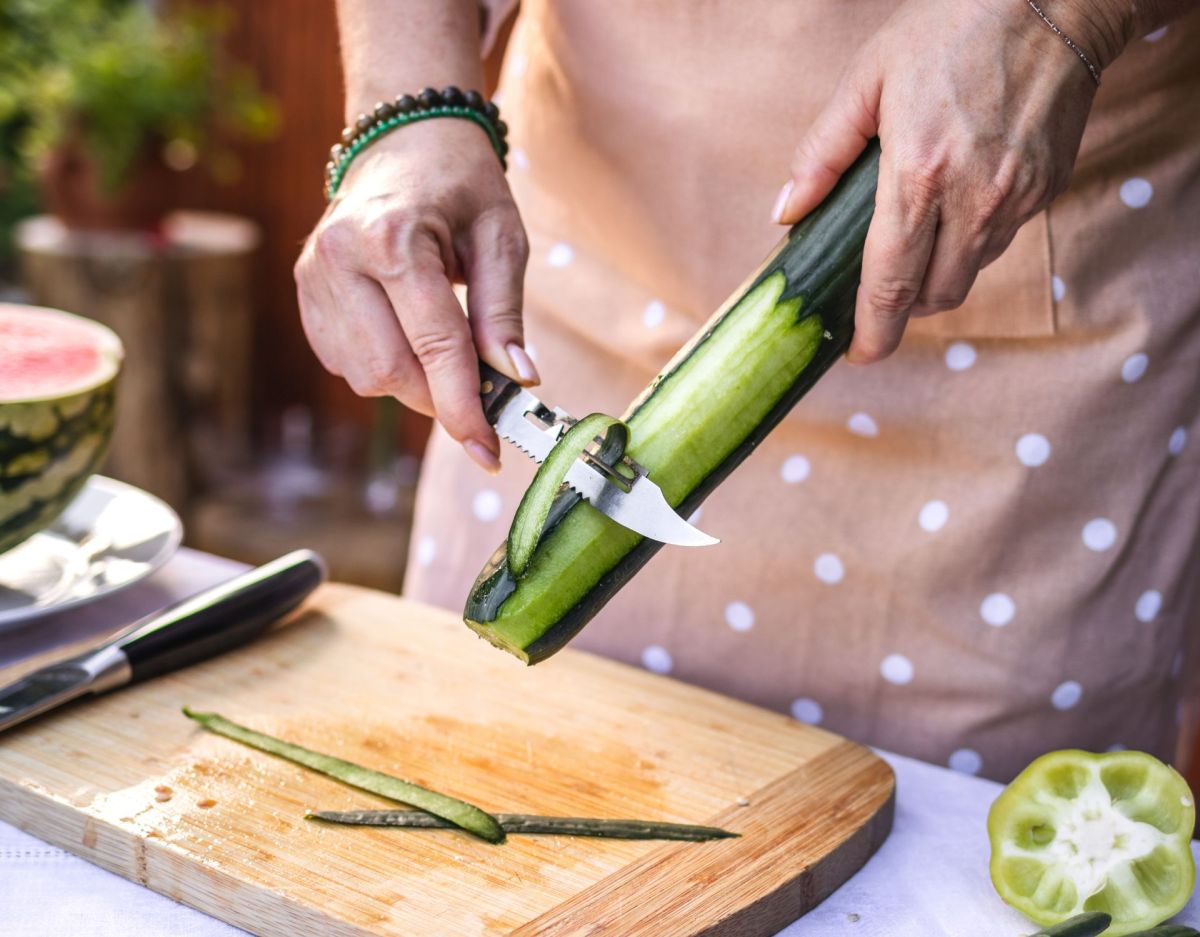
123,80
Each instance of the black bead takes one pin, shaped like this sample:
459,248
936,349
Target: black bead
429,99
491,111
384,110
473,100
336,152
501,128
406,104
348,135
364,123
452,97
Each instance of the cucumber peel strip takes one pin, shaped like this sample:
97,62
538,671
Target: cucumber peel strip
456,813
522,823
1088,924
532,513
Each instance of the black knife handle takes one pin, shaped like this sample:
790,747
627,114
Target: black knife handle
496,390
221,618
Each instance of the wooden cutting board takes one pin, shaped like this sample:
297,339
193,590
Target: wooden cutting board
128,783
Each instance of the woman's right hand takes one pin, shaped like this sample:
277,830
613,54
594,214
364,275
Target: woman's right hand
420,209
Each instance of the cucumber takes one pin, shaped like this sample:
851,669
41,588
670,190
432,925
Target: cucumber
716,400
534,509
1168,930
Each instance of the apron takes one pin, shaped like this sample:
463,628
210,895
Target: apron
982,549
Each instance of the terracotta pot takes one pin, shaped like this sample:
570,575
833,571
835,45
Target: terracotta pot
71,189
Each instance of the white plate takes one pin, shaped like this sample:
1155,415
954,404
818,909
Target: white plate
109,537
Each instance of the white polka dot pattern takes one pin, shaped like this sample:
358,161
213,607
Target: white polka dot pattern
426,550
653,314
862,424
560,255
739,616
1156,35
933,516
1134,367
1099,534
1066,695
1147,606
1058,289
997,609
828,568
965,761
486,505
1177,441
657,659
1136,193
897,669
807,710
960,356
519,159
795,469
1033,449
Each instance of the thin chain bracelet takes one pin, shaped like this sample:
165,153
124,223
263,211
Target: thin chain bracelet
406,109
1092,69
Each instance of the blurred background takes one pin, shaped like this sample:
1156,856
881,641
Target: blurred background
160,164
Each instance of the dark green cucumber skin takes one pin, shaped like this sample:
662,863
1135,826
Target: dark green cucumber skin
1168,930
1088,924
821,261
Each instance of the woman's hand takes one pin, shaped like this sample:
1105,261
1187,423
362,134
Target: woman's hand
979,108
420,209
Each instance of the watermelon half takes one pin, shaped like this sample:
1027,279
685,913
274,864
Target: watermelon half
58,377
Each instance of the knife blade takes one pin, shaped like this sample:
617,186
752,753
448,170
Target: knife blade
636,503
210,623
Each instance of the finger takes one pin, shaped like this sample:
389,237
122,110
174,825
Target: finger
438,333
954,264
833,142
496,252
316,316
895,257
376,358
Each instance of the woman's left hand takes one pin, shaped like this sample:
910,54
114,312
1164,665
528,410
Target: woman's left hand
979,108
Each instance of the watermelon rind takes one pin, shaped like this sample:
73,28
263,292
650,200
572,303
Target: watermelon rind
52,443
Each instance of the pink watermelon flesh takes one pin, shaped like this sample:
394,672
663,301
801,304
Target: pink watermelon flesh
44,353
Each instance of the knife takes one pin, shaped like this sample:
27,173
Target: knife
210,623
630,498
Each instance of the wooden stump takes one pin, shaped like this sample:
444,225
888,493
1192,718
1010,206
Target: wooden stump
180,301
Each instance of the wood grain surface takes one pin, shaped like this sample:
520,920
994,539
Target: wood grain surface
128,783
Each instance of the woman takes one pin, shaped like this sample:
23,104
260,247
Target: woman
979,549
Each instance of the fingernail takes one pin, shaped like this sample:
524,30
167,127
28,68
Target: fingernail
522,364
482,456
781,201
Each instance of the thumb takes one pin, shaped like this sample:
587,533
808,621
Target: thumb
495,271
835,139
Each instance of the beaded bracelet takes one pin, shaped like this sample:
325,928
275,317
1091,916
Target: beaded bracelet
406,109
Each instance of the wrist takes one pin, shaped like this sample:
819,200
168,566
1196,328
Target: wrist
1102,28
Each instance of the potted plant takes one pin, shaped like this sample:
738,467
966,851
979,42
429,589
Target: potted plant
103,100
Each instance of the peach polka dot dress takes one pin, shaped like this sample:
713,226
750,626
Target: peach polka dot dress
981,549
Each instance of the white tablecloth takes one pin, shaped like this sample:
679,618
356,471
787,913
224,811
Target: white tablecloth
929,878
